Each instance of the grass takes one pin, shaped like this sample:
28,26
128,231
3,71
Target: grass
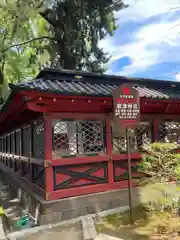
147,225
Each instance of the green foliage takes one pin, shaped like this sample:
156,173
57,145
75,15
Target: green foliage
148,224
78,25
64,33
160,196
161,162
22,43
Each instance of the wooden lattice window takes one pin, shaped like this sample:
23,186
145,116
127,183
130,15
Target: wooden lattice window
139,138
26,141
38,139
78,137
18,142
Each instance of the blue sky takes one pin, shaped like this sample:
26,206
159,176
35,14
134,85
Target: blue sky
147,42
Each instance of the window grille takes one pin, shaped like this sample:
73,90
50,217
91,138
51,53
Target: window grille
26,141
77,138
139,138
38,139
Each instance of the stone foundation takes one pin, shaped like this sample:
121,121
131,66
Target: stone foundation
68,208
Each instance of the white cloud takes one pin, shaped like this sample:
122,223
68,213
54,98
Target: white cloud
142,9
151,44
178,76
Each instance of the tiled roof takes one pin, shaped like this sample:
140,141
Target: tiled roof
86,84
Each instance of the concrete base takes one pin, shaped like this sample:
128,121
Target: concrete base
64,226
64,209
69,208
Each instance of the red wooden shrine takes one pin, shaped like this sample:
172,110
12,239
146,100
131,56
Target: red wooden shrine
57,131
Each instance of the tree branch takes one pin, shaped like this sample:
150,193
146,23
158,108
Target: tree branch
45,15
29,41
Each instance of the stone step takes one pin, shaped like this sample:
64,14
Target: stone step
13,220
6,204
11,209
16,213
14,201
5,187
4,193
89,230
12,206
4,198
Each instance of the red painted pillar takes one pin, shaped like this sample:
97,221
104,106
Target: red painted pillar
48,169
109,150
155,130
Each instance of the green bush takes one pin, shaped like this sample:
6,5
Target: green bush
161,162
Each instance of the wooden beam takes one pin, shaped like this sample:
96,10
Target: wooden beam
92,159
22,182
12,107
34,107
155,123
39,162
34,94
79,116
73,104
18,119
161,116
68,105
71,192
55,95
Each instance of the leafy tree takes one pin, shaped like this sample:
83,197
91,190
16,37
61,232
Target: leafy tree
59,33
22,44
78,25
162,164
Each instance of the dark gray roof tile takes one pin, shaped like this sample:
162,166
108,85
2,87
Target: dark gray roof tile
65,82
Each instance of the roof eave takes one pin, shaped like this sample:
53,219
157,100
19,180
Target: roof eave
16,89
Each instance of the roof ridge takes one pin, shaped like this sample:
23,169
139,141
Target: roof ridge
62,75
54,72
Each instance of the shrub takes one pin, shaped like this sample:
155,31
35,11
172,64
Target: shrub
161,162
